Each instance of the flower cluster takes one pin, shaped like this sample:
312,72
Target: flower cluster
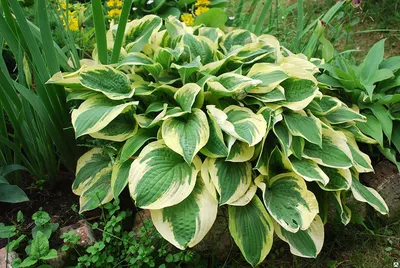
201,7
70,18
115,8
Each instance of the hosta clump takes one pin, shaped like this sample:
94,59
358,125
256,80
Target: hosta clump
200,118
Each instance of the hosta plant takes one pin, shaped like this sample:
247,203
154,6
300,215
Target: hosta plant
194,118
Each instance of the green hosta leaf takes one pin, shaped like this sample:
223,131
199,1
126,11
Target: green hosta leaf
237,38
186,96
138,32
325,105
344,115
288,201
366,194
105,79
119,176
305,243
251,53
371,62
344,211
97,191
284,137
232,180
362,162
358,135
175,27
298,93
165,56
186,224
148,121
120,129
382,114
215,146
297,146
372,128
339,179
12,194
199,46
68,80
240,122
247,197
96,113
270,74
88,166
308,127
132,145
214,34
334,151
275,95
186,135
252,229
239,151
81,95
139,59
186,70
309,170
231,84
160,178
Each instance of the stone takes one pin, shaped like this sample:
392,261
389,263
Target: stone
386,181
3,258
58,262
84,230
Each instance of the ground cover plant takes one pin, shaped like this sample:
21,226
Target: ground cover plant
193,118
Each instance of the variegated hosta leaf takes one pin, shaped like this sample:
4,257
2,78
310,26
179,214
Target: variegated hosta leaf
252,229
284,137
270,74
231,84
149,121
187,69
186,224
232,180
138,32
119,176
96,113
214,34
308,127
309,170
160,178
215,147
358,135
97,191
362,162
369,195
298,93
88,166
299,67
132,145
165,56
120,129
239,151
343,115
339,179
139,59
305,243
240,122
186,96
200,46
288,201
68,80
247,197
251,53
334,151
175,27
237,38
105,79
343,210
325,105
188,135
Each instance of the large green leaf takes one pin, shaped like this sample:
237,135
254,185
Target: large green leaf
186,224
252,229
186,135
288,201
270,74
215,146
119,176
308,127
298,93
138,32
160,178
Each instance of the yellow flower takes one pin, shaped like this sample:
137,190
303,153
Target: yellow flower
73,24
202,3
201,9
114,13
187,18
114,3
63,4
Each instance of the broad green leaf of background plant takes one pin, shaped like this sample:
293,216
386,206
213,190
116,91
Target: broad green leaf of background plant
231,180
186,135
185,224
288,201
240,122
105,79
252,229
215,17
96,113
304,243
160,178
372,128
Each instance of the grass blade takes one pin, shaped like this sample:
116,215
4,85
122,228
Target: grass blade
100,29
263,17
121,30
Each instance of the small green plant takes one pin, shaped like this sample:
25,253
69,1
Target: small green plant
38,250
121,248
193,118
374,85
11,193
